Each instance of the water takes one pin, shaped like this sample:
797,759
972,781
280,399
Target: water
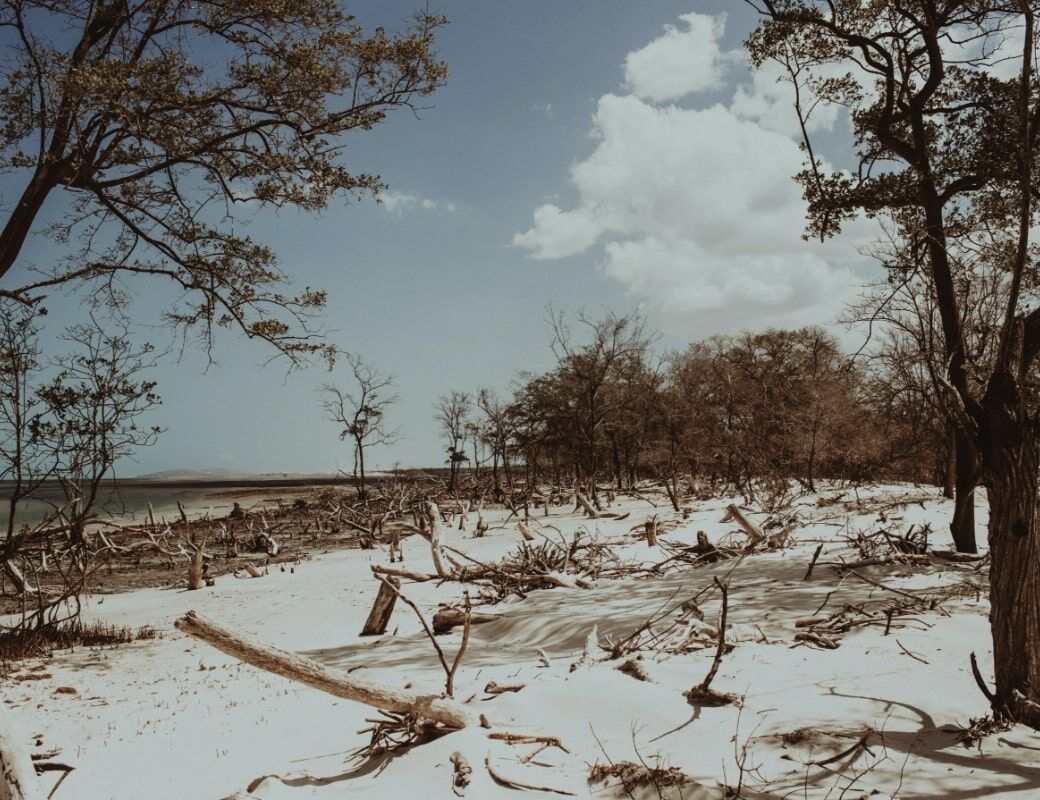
128,503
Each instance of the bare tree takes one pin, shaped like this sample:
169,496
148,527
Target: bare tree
453,415
361,412
159,122
73,422
496,431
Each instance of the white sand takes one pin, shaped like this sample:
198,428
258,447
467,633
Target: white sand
173,718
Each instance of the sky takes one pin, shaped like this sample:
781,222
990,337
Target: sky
617,154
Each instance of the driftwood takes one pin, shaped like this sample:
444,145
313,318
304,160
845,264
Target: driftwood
812,564
586,506
651,531
565,581
436,551
448,618
21,585
702,693
17,774
754,533
252,570
382,608
197,563
289,665
402,572
509,783
461,770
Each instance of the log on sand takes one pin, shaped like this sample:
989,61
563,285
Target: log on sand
587,507
402,572
252,570
754,533
289,665
448,618
17,774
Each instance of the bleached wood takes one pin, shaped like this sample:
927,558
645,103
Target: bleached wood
382,608
289,665
435,540
195,568
17,776
587,507
402,572
754,532
253,571
21,585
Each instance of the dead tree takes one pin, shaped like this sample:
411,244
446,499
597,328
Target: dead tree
382,608
294,667
361,413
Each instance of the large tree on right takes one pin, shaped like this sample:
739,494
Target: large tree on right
944,109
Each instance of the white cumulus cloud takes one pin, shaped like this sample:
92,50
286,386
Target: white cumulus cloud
679,62
696,211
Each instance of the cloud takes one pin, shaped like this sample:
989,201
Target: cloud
679,62
399,202
697,212
769,101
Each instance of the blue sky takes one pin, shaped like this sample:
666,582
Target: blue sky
549,169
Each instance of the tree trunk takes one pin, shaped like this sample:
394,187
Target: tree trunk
340,684
361,469
950,465
436,552
962,527
1015,577
382,608
17,775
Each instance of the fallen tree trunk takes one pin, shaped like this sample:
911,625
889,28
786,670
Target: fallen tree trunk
252,570
21,585
289,665
753,532
17,775
448,618
587,507
402,572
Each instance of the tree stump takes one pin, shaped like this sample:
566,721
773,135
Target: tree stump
382,608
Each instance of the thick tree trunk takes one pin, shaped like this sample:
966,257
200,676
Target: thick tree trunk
962,527
1014,543
950,463
19,223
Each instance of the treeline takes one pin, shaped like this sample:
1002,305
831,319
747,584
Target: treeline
754,413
